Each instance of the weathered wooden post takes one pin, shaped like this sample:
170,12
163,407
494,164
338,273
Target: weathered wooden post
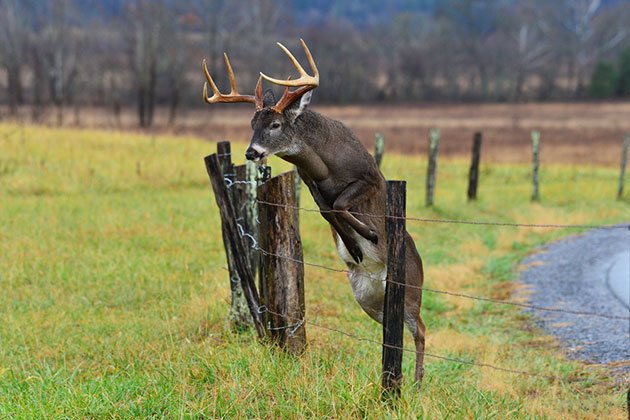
379,148
536,165
250,208
434,141
238,315
244,200
234,241
394,306
282,267
624,161
298,186
473,176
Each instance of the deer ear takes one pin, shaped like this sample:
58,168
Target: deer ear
298,107
269,99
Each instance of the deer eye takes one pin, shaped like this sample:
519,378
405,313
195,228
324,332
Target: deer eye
275,124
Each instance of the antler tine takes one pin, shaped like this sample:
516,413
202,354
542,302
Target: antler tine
233,88
233,96
213,86
305,78
311,62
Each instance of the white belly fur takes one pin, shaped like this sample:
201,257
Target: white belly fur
368,278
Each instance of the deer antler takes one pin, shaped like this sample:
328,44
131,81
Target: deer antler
304,83
233,96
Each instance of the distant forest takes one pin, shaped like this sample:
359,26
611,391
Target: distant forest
69,54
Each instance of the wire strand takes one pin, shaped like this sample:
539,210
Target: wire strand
457,294
454,221
437,356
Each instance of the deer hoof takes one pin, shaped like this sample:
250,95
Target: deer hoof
373,237
356,253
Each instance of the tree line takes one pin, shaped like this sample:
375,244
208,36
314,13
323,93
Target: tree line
64,55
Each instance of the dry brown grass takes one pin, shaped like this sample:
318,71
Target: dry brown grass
584,133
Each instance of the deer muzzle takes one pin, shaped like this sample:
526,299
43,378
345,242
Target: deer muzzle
255,152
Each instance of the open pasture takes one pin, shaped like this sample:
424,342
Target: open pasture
115,292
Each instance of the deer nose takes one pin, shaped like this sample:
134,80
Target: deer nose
256,152
251,154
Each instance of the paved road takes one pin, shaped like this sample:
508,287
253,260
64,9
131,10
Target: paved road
588,272
618,277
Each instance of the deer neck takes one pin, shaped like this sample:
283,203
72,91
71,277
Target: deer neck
309,162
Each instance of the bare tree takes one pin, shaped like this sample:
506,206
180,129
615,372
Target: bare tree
143,26
528,35
58,47
473,23
13,37
576,25
147,52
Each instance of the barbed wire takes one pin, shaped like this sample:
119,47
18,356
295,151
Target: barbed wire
256,247
454,221
296,323
424,353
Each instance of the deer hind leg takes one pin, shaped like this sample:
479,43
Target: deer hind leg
418,329
354,194
346,238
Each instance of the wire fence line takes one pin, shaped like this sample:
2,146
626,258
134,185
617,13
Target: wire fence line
304,321
454,221
254,245
293,324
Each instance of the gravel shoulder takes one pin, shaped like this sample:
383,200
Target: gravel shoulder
575,274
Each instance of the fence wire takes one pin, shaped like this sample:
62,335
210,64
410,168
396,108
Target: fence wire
293,324
254,245
454,221
304,321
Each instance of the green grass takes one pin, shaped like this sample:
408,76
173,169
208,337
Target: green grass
115,296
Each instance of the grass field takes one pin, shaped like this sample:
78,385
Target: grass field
114,292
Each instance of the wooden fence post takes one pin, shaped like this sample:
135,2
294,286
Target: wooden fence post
434,141
244,200
298,187
282,268
238,315
473,176
394,306
624,160
379,148
536,165
234,240
250,213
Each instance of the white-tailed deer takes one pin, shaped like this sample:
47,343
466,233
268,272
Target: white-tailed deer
344,180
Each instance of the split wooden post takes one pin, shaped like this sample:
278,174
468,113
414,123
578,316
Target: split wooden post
244,200
473,176
234,240
624,161
536,165
282,267
298,186
251,209
238,315
394,306
379,148
434,141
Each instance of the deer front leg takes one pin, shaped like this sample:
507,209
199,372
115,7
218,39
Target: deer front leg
344,233
354,194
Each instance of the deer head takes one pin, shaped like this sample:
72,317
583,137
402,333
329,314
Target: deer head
274,122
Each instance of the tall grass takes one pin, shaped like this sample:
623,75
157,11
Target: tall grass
115,293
